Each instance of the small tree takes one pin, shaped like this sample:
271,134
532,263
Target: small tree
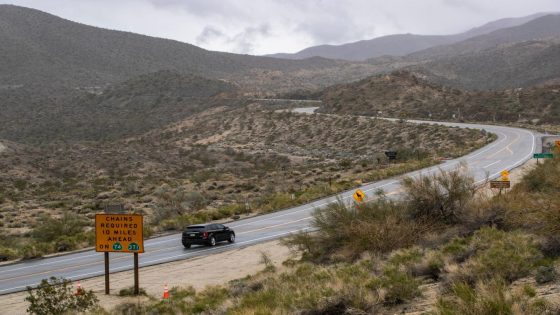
55,296
443,197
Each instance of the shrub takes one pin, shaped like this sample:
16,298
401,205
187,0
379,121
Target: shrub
399,284
7,253
69,224
545,274
310,289
267,262
376,227
130,291
495,253
443,197
431,265
187,301
33,250
490,298
55,296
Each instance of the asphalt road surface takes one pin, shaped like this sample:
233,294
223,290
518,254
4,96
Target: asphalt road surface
512,148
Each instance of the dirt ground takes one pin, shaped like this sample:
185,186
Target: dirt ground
197,272
213,270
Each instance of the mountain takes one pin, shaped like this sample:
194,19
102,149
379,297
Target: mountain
523,64
401,44
42,49
520,56
541,28
402,94
394,45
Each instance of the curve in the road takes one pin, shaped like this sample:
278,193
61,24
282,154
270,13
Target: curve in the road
512,148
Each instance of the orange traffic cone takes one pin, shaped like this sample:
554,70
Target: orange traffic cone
79,290
165,292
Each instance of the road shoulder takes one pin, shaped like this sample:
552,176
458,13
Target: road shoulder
197,272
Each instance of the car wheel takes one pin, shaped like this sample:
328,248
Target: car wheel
231,238
187,245
212,241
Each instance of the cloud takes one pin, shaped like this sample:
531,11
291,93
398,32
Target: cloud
269,26
245,41
209,34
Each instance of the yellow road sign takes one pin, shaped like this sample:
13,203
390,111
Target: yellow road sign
359,195
505,175
119,233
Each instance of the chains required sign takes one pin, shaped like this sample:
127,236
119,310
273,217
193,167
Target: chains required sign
119,233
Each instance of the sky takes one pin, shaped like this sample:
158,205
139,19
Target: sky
260,27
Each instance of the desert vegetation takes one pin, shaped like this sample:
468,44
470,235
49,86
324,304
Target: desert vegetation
456,251
408,95
220,164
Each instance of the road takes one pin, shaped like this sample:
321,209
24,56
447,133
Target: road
512,148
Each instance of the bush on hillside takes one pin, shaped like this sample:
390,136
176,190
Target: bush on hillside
55,296
442,197
376,227
491,253
489,298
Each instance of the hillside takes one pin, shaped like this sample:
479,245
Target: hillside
402,94
540,28
523,64
401,44
520,56
129,108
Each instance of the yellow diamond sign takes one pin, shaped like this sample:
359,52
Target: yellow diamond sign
505,175
359,195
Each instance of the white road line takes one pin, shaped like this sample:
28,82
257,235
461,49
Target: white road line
492,164
275,225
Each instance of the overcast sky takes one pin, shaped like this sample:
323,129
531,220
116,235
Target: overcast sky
270,26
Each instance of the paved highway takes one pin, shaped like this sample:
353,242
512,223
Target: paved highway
512,148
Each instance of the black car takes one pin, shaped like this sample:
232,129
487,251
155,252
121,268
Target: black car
207,234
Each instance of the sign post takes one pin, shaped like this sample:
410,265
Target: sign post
119,233
136,284
106,272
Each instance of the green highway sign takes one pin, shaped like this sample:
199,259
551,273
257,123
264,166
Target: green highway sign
543,156
117,246
133,247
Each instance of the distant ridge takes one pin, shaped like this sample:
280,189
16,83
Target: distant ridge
401,44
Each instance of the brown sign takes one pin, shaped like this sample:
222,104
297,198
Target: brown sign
119,233
500,184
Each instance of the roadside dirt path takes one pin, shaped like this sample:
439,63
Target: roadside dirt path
197,272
